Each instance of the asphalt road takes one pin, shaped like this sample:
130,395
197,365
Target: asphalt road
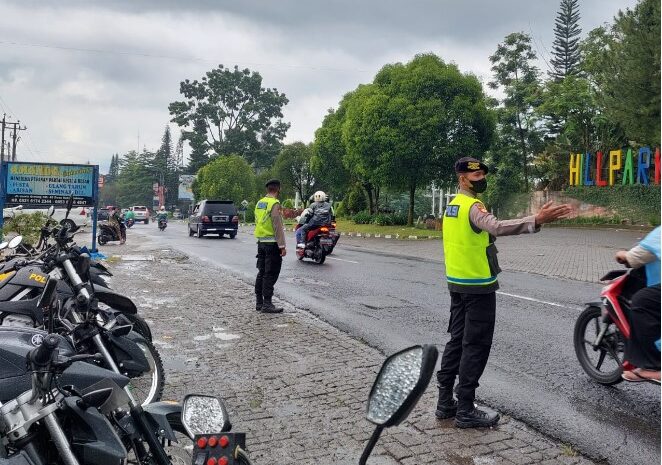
391,300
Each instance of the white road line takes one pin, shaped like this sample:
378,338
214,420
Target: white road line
531,299
342,260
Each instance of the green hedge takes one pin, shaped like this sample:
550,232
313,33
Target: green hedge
637,203
381,219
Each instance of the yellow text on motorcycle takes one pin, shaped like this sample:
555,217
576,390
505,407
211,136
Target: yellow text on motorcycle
4,276
39,278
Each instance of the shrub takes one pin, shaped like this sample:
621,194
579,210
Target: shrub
382,219
288,203
29,226
398,219
339,209
355,201
362,218
638,203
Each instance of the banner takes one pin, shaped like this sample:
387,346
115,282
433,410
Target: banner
42,184
186,186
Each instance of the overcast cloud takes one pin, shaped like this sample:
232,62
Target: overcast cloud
90,78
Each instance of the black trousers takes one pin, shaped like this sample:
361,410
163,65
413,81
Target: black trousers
471,327
269,263
640,349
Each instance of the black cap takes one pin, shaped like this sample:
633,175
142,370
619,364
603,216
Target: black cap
469,164
272,182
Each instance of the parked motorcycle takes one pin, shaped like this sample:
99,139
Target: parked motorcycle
79,317
318,245
603,327
75,413
109,234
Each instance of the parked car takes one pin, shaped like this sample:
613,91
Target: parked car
214,217
77,216
140,213
103,214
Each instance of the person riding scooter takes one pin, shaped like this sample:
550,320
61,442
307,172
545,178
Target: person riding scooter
641,349
116,223
320,214
162,215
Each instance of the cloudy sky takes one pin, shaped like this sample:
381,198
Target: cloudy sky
90,79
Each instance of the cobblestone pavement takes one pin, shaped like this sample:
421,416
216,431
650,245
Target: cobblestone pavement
297,386
571,253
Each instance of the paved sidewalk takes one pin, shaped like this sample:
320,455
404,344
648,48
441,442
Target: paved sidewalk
297,386
573,253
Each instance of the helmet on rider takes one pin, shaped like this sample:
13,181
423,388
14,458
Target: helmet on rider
319,196
162,208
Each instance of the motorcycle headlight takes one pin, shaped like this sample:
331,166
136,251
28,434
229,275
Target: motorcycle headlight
204,415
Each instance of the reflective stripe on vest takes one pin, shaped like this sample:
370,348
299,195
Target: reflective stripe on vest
264,228
465,251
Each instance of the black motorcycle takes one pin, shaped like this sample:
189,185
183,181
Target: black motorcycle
109,234
163,223
72,412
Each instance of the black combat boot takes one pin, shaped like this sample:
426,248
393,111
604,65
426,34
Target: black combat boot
269,307
446,405
476,418
258,303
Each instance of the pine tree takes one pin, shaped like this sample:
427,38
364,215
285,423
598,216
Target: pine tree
565,50
199,147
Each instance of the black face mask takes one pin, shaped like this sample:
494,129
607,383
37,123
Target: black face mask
479,186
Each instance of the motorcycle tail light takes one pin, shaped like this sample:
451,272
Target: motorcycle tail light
333,225
324,229
235,219
212,441
205,219
202,443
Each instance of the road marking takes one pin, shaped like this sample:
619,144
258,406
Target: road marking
342,260
531,299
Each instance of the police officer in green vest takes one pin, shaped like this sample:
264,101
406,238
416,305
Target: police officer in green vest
270,247
469,232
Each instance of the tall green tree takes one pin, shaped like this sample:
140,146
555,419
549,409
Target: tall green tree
197,138
328,153
622,61
565,49
414,120
226,178
233,114
136,179
293,168
518,78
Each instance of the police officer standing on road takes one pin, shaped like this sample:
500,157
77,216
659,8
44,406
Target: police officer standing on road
270,247
469,231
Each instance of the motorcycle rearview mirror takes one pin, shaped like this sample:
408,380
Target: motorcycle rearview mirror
401,382
51,211
19,207
3,245
204,415
70,203
15,242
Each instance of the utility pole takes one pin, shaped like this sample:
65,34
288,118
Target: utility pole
15,127
2,147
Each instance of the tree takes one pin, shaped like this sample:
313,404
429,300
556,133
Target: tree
622,62
229,112
136,179
227,178
113,169
565,49
518,78
328,153
292,167
408,127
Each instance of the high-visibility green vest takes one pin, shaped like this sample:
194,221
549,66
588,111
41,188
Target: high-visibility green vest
264,228
465,250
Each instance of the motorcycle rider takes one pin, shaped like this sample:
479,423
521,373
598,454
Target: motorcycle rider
115,222
640,349
161,215
129,215
320,214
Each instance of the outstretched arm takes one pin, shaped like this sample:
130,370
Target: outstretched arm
482,219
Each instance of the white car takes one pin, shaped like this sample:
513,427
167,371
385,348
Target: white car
77,216
140,213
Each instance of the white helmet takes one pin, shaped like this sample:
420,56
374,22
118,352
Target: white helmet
162,208
319,196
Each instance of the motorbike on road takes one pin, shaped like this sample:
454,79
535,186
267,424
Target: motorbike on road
603,327
163,223
109,234
318,244
130,222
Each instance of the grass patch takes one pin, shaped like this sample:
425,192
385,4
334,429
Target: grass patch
568,450
343,225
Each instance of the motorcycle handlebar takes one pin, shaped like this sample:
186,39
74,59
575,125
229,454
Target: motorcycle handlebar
41,356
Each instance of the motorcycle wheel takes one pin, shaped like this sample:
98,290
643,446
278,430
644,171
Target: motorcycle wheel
319,257
148,387
102,240
139,325
603,364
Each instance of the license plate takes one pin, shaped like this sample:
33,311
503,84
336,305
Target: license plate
219,219
326,241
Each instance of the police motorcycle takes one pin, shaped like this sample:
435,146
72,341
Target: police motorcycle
400,383
74,413
80,318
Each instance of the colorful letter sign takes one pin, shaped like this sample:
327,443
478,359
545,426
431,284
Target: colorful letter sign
583,172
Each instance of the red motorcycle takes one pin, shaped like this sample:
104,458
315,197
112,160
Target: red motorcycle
319,243
603,327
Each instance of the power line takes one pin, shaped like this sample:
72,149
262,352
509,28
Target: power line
28,141
180,58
